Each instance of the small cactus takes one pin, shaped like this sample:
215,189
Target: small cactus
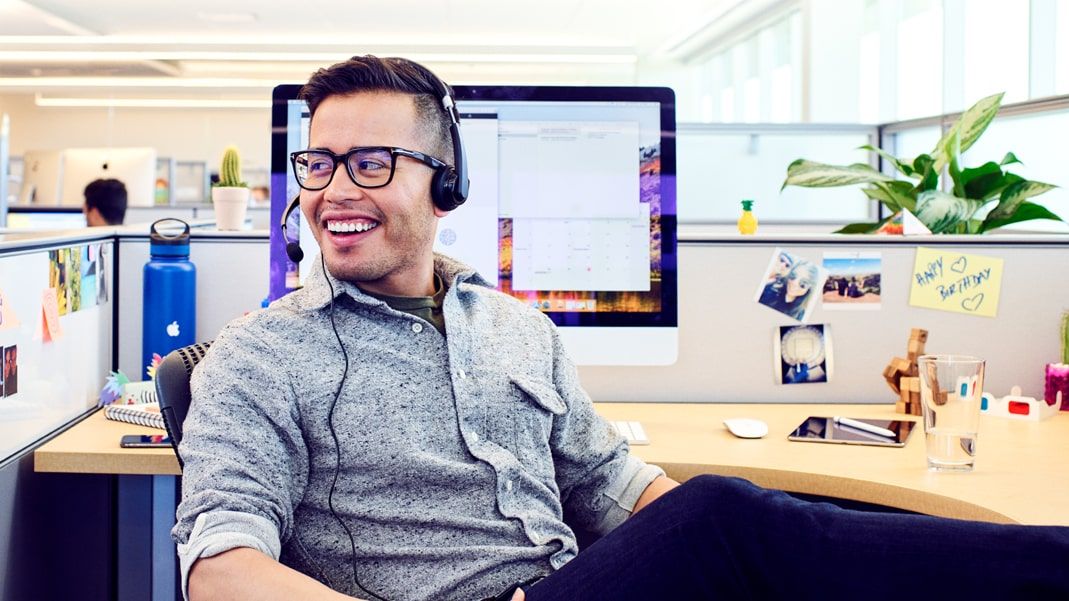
230,170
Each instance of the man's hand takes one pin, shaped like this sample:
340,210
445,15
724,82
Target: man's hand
245,573
518,595
658,487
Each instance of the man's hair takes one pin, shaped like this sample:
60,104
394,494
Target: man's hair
391,74
109,197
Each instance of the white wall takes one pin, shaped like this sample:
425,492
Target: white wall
182,134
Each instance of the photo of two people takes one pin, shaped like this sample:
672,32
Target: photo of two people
791,285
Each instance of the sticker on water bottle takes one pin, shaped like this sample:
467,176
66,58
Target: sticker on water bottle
173,330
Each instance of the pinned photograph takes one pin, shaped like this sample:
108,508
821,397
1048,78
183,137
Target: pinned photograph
61,262
802,354
89,275
853,281
103,250
74,279
11,370
791,285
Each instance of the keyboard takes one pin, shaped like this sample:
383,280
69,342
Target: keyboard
631,431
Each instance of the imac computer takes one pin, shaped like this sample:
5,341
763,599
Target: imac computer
572,210
42,177
59,177
134,167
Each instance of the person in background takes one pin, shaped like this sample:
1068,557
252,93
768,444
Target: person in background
260,195
105,202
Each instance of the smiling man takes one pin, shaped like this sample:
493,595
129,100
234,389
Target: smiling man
399,430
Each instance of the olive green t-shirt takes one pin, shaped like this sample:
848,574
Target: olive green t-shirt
424,307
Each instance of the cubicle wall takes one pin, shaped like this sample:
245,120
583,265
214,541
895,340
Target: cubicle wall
51,376
232,274
726,349
51,523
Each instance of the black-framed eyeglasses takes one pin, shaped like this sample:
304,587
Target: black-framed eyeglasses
368,166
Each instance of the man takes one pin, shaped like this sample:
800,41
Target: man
105,202
399,430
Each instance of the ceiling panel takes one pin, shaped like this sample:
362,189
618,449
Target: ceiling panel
469,41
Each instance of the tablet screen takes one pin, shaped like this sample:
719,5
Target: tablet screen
879,432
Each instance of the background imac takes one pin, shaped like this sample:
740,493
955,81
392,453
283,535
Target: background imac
134,167
571,210
59,177
42,177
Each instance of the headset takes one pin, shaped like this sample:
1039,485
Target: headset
449,185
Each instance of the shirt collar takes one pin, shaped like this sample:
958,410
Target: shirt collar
316,293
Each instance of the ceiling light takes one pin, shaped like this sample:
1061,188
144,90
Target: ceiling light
227,18
176,103
85,56
133,82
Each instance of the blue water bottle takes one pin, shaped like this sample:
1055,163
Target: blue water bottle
169,317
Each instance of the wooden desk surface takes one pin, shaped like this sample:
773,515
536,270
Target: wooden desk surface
92,447
1021,475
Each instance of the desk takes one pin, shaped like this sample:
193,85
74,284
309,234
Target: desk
1021,475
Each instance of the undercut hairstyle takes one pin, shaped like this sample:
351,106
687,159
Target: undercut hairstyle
391,74
108,196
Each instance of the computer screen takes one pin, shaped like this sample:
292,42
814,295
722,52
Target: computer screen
42,177
44,218
135,167
572,209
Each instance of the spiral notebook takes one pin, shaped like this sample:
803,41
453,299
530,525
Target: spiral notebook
144,414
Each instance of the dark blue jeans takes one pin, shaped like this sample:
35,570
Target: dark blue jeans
724,538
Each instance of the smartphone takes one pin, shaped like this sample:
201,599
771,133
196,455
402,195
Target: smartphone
876,432
145,441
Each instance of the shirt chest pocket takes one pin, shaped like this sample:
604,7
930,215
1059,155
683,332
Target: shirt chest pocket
522,423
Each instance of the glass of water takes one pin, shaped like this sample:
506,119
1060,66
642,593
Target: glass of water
951,386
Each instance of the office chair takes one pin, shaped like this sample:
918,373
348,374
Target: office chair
172,388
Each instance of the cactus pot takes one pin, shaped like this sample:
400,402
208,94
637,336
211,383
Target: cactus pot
230,205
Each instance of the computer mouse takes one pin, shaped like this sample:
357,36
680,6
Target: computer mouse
746,427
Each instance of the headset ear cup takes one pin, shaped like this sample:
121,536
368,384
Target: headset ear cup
443,189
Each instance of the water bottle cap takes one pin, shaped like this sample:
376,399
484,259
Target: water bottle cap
169,237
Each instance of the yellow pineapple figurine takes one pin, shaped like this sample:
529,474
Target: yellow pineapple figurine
747,221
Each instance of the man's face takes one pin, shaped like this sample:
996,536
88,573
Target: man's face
394,256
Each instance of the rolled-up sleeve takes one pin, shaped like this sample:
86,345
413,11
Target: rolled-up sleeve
600,481
246,464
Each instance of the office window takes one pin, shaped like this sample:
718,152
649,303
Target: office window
719,167
909,143
869,69
996,50
1062,61
1042,154
920,59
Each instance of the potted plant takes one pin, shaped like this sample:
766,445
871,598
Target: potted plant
956,207
230,196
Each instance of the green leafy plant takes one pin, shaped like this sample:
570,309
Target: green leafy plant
230,170
944,212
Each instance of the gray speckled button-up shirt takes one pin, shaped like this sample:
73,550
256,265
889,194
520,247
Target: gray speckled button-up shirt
465,460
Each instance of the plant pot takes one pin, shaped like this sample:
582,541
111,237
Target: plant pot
1056,389
230,205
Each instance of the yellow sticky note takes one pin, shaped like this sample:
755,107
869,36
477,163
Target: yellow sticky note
951,281
50,307
7,313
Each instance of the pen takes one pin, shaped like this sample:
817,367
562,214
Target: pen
860,425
